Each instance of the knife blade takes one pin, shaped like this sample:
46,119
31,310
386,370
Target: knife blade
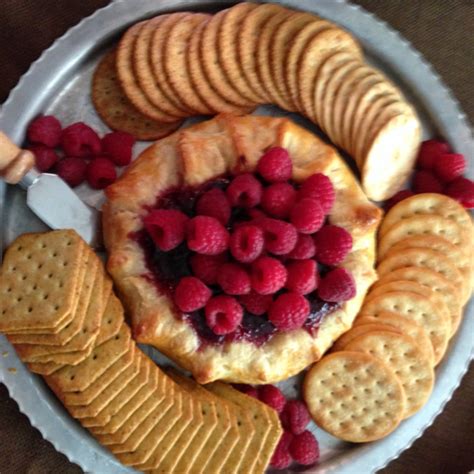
48,196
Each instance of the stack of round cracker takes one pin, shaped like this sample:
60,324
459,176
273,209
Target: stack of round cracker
425,277
177,65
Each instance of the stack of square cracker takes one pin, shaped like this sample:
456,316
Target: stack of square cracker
406,321
58,308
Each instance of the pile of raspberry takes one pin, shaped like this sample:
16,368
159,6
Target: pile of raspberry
296,443
77,153
439,170
261,244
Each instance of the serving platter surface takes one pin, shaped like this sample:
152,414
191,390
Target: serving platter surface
59,83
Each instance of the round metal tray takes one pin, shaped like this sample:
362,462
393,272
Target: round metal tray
59,81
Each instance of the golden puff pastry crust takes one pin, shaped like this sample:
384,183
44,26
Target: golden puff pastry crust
223,145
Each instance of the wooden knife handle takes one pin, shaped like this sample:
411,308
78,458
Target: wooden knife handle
14,162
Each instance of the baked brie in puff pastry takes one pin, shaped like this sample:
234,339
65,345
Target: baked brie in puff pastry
176,169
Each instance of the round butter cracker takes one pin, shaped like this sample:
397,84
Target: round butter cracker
406,359
354,396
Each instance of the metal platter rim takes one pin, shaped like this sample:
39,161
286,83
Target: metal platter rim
449,119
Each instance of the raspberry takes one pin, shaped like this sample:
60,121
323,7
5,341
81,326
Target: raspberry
233,279
101,173
426,182
268,275
337,285
462,189
206,267
275,165
247,389
278,199
166,227
118,146
191,294
251,392
318,187
46,130
246,243
255,303
289,311
307,216
449,166
223,314
295,416
72,170
45,158
304,448
244,191
272,396
280,236
256,213
430,151
302,276
304,248
333,243
207,235
281,458
396,198
214,203
80,140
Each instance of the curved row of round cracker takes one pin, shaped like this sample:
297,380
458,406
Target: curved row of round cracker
198,77
115,109
247,41
411,287
263,48
439,216
416,308
279,48
404,356
156,52
182,64
229,30
293,51
354,396
209,56
319,48
391,321
175,62
433,280
158,93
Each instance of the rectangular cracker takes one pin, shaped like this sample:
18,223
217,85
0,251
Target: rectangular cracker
183,455
113,315
84,287
106,396
217,450
45,369
171,399
267,427
87,312
122,416
163,435
38,281
66,358
177,440
136,418
78,378
129,390
85,397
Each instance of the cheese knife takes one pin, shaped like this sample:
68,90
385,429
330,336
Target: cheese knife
48,196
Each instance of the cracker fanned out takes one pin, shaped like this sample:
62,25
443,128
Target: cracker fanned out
229,141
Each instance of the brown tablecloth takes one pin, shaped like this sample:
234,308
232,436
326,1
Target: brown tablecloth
440,29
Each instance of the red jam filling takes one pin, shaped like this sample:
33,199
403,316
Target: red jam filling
167,268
